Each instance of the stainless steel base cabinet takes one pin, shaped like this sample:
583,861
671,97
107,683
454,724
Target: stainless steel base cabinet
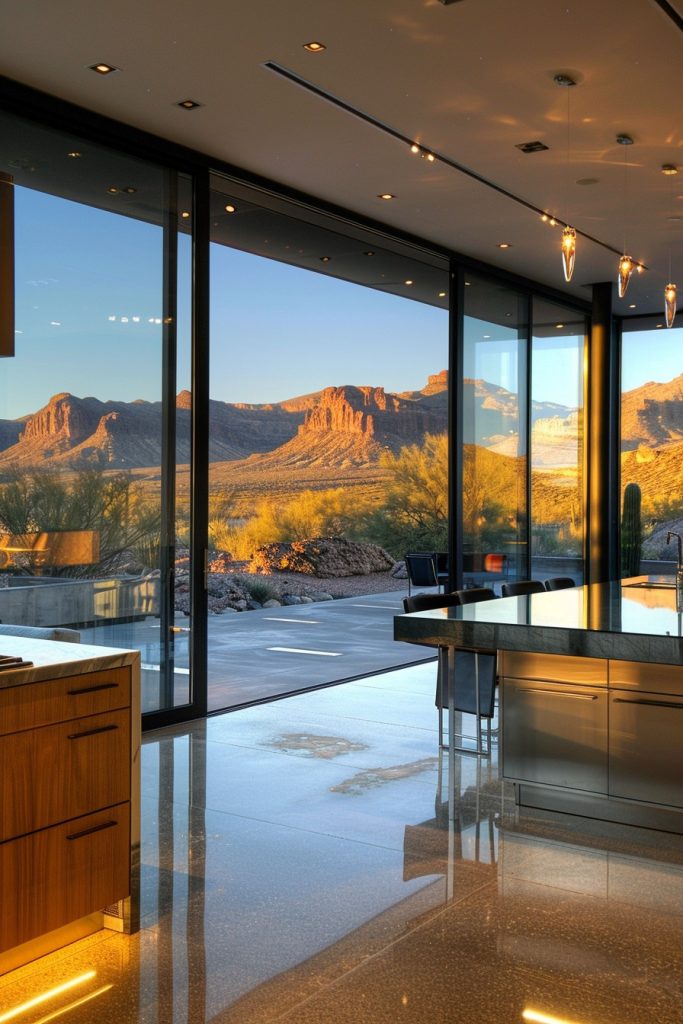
555,734
646,747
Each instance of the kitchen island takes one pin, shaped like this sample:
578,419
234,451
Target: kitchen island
591,694
69,794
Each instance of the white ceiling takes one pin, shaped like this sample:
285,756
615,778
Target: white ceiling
470,81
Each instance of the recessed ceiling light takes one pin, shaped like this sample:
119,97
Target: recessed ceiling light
325,259
369,253
559,326
185,214
563,79
386,195
486,336
587,181
130,190
442,295
669,169
188,104
504,245
408,281
113,190
508,314
467,284
632,306
102,68
660,325
229,208
74,154
314,47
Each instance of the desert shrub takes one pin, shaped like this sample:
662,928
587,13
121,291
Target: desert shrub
259,590
310,514
414,513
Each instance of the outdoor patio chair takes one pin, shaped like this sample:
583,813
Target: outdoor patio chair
522,587
560,583
421,569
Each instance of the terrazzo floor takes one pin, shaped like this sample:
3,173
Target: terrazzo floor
297,865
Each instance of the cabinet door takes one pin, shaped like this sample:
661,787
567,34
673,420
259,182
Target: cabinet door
555,734
63,771
646,747
64,873
58,700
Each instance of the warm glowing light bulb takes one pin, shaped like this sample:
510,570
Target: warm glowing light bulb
670,304
568,252
414,148
544,218
553,222
626,267
430,157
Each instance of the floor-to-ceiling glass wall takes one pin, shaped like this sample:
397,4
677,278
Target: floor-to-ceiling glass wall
494,432
328,443
89,455
651,446
557,441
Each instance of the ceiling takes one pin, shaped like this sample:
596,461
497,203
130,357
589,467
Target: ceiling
468,81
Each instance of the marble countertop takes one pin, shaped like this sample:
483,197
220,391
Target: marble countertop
52,659
629,620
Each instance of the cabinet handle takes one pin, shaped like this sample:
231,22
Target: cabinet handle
91,732
561,693
649,703
92,689
90,831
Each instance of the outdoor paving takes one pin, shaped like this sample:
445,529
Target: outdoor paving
265,653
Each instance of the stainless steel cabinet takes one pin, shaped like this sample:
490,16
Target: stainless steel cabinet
646,747
555,734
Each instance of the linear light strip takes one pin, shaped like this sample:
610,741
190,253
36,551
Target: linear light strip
322,94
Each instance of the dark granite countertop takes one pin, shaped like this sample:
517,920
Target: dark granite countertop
629,620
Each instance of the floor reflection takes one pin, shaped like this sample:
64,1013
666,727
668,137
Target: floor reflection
274,891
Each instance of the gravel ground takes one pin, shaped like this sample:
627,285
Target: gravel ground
344,586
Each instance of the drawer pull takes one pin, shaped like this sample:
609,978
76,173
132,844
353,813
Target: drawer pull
649,703
90,831
561,693
93,689
91,732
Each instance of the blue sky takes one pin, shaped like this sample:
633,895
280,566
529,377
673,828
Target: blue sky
89,308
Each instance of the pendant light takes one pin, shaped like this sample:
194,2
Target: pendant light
670,291
670,304
568,252
626,264
569,233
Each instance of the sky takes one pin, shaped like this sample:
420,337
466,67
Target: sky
88,320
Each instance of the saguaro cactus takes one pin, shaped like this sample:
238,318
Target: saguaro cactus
631,532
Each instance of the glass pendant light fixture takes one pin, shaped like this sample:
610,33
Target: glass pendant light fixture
669,170
569,233
626,264
670,304
568,252
626,267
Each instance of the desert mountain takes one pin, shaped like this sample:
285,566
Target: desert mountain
352,426
85,431
337,426
652,414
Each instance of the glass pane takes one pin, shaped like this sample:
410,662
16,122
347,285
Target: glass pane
81,414
557,514
651,447
494,433
329,449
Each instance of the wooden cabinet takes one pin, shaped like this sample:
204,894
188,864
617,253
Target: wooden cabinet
65,791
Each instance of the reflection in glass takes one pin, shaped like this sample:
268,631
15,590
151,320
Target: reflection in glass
557,442
494,431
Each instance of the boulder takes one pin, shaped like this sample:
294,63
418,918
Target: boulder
323,557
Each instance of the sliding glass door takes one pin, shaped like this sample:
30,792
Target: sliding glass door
95,406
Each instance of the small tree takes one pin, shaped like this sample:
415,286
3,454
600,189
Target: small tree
631,532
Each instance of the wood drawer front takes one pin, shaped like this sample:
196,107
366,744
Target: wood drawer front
58,700
61,874
63,771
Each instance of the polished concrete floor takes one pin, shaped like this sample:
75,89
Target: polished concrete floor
298,866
